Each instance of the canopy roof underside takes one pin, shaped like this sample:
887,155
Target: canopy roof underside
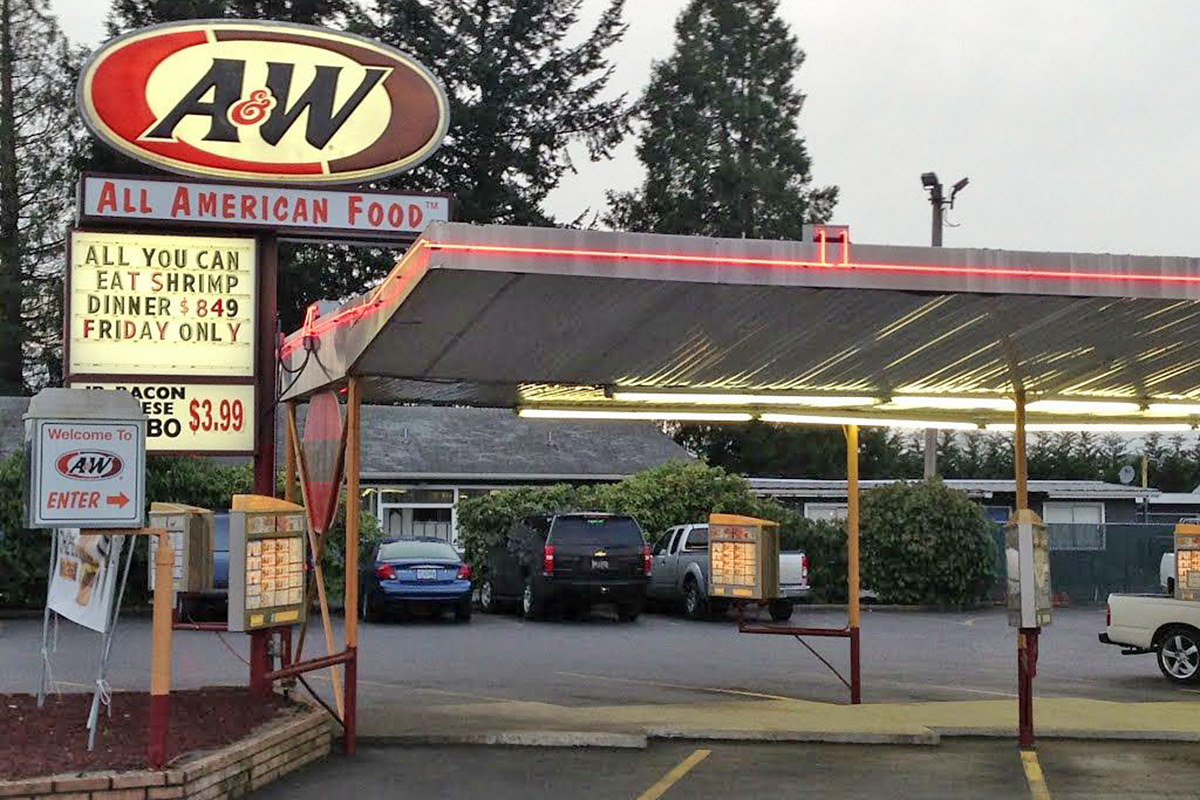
500,316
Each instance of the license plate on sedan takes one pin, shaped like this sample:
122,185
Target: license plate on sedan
427,574
599,564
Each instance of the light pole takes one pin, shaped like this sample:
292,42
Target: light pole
939,202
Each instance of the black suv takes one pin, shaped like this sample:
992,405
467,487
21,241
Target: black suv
570,559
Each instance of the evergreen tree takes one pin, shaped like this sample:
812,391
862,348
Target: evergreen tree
129,14
39,140
524,84
723,157
720,141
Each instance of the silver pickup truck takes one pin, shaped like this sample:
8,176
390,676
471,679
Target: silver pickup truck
679,574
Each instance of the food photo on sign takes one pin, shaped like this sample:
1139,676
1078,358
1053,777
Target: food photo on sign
85,577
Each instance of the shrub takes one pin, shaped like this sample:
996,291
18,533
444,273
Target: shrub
923,543
483,520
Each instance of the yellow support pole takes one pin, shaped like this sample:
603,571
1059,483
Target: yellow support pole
289,470
1019,462
353,513
852,559
160,649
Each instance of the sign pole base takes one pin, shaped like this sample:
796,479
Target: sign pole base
855,662
1027,653
160,713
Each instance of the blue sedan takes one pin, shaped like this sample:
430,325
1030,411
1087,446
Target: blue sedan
411,574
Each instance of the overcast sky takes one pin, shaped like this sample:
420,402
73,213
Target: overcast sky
1076,120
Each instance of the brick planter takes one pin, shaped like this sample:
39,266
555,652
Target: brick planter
275,749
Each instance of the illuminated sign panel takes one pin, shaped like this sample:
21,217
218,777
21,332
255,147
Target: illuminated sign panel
1187,561
743,557
267,539
191,417
290,103
141,304
282,208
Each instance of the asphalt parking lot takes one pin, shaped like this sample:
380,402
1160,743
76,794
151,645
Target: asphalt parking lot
907,657
985,770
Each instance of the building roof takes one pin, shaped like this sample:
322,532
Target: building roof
463,444
1176,499
1065,490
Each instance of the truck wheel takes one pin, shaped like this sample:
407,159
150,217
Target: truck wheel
781,611
693,601
532,605
1179,654
487,597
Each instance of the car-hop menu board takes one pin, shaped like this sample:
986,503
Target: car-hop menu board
1187,561
743,554
266,563
144,304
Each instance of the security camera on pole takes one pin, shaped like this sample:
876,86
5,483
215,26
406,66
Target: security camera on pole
939,202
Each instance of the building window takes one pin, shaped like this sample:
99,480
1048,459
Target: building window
1074,526
998,514
830,512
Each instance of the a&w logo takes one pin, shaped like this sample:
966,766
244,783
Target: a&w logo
89,465
266,100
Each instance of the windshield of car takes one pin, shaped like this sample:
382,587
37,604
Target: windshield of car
597,530
390,551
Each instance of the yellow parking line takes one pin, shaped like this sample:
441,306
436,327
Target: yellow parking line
685,686
1034,775
671,778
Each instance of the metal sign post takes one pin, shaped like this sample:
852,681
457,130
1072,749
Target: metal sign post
103,692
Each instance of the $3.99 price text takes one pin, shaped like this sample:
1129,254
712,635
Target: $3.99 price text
207,416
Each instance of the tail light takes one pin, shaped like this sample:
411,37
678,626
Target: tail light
548,559
464,572
1107,615
647,562
385,572
804,567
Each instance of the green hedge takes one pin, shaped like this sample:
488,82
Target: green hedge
672,494
923,543
24,553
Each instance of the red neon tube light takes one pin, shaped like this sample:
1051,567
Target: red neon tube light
1033,273
398,279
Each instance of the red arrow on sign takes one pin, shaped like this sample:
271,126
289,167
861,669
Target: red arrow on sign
117,500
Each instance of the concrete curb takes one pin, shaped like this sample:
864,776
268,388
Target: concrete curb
1081,735
824,737
621,741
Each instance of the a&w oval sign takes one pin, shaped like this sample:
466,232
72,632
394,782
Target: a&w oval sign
240,99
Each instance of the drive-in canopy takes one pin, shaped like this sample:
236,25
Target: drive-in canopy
554,320
595,324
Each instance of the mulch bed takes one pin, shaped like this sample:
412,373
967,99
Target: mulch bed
53,739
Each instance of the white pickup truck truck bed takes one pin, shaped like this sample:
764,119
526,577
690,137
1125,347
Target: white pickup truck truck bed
1159,624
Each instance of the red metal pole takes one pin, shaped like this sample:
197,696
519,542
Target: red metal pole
285,647
260,662
266,371
855,675
350,722
1027,642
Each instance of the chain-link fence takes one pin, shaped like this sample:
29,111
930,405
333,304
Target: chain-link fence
1088,562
